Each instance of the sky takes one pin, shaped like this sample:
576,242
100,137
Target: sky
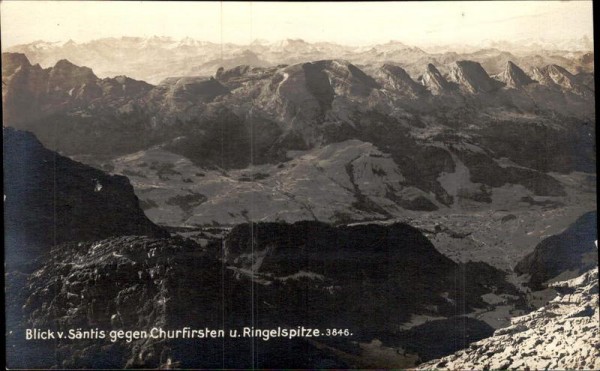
352,23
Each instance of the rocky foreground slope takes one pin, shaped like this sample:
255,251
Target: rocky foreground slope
560,335
368,279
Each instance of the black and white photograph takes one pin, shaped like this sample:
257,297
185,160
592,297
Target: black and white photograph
300,185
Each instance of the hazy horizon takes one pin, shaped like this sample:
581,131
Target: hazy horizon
419,24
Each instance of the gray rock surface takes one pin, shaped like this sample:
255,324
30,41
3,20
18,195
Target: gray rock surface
560,335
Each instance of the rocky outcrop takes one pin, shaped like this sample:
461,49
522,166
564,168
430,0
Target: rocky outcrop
300,96
65,75
433,80
184,97
50,199
123,87
13,61
130,283
23,88
472,78
388,257
30,92
540,75
395,78
570,252
268,275
514,77
309,106
560,335
560,76
557,77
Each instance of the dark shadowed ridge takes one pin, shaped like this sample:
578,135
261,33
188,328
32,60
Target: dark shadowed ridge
572,250
50,199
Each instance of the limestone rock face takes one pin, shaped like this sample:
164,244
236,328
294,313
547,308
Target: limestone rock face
558,77
472,78
561,335
396,78
434,81
514,77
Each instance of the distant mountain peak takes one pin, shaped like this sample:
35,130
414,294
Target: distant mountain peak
12,61
556,69
398,79
293,42
64,66
65,63
514,77
433,80
470,76
557,76
563,78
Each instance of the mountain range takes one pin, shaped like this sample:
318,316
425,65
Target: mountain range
377,145
423,199
144,58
